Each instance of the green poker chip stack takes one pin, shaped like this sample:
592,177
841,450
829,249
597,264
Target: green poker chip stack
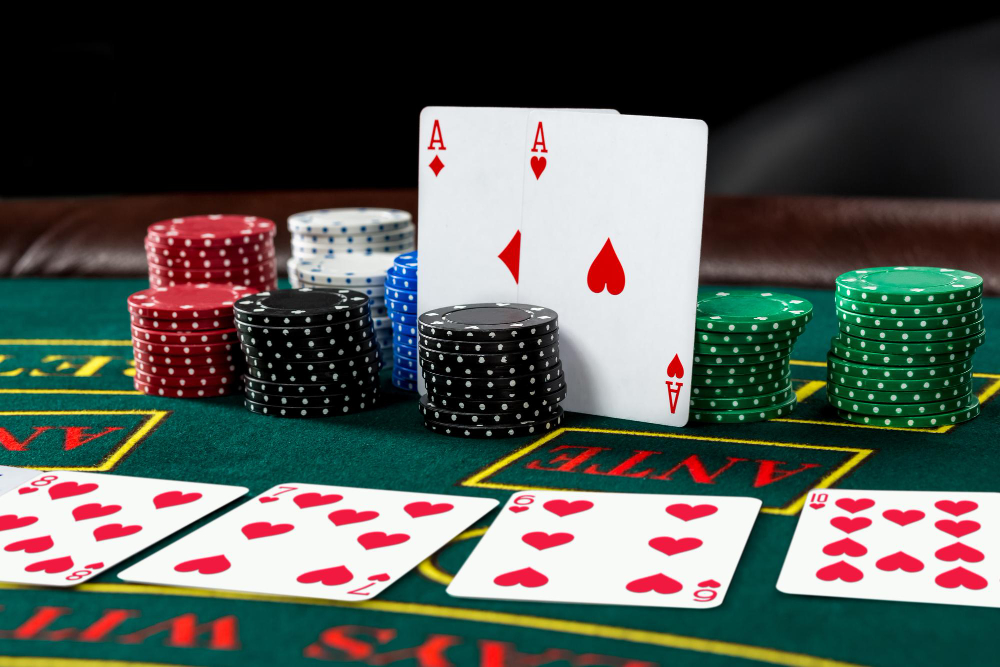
903,352
743,343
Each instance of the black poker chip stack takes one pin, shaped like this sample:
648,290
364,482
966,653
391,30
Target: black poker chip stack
491,370
309,353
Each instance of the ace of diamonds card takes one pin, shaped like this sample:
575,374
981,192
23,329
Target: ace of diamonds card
913,546
611,240
610,548
308,540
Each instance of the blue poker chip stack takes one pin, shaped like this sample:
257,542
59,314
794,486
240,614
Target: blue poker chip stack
401,306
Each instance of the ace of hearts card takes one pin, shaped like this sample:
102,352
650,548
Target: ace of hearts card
610,548
308,540
912,546
64,528
611,240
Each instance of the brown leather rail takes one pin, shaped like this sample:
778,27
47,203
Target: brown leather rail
792,241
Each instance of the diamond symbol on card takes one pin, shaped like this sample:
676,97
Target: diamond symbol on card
436,165
511,255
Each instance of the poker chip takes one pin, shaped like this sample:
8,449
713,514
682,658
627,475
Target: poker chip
877,346
741,402
531,428
405,319
780,366
404,374
749,415
903,354
349,240
406,265
191,252
349,221
307,401
544,376
487,347
340,329
488,360
193,301
182,349
400,299
897,310
361,404
182,325
488,322
887,398
186,381
168,370
732,360
263,269
712,337
740,391
930,335
911,323
909,285
306,249
748,312
182,392
366,360
405,385
738,380
358,379
913,421
352,272
301,307
183,360
394,278
518,416
141,335
884,385
540,404
211,230
499,371
709,349
521,392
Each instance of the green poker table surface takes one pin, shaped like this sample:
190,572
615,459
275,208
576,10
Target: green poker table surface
67,402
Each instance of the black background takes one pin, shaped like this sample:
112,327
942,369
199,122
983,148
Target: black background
339,108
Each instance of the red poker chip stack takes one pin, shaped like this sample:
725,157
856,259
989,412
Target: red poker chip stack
237,249
184,340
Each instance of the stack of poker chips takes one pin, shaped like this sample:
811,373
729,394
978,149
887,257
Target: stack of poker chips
309,353
743,343
184,341
362,273
336,233
903,354
234,249
492,370
401,301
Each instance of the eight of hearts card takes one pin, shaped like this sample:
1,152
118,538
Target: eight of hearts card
62,528
913,546
307,540
610,548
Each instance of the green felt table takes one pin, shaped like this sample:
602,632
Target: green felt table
68,403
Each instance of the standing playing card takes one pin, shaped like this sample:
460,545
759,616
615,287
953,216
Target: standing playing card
307,540
610,239
610,548
13,477
62,528
913,546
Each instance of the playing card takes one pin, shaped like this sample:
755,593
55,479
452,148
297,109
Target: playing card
610,548
914,546
12,477
610,239
308,540
62,528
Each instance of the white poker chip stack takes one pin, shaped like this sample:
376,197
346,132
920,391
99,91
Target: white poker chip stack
351,248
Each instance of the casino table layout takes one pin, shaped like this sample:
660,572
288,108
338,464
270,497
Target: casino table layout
68,403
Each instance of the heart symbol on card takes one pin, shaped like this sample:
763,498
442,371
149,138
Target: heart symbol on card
307,500
675,369
960,577
378,539
174,498
538,165
346,517
903,517
957,528
672,547
51,566
840,570
517,509
379,577
114,530
69,489
959,551
543,541
564,508
606,271
511,255
899,561
855,505
267,499
27,489
709,583
31,546
956,508
817,506
845,547
331,576
656,583
93,566
849,525
527,577
94,510
208,565
423,508
259,529
12,521
686,512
